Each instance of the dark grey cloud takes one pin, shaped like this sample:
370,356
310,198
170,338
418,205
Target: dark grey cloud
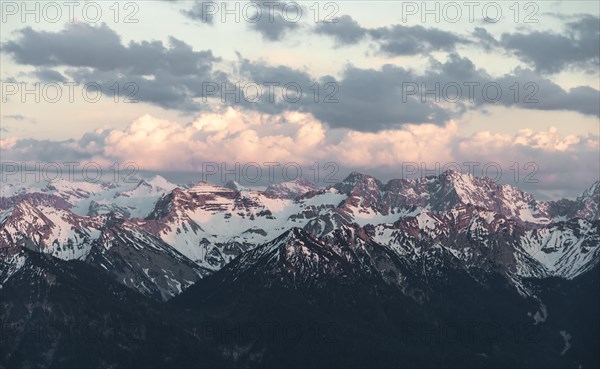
377,99
76,45
412,40
391,40
346,31
18,117
202,11
164,90
266,18
50,151
535,91
49,75
486,40
372,100
363,99
360,99
578,46
550,96
100,47
272,28
169,75
91,145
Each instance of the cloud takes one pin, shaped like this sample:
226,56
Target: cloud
485,39
393,40
100,47
578,46
49,75
535,92
18,117
413,40
273,25
173,75
266,18
379,99
169,76
87,148
549,163
362,99
231,135
346,31
202,11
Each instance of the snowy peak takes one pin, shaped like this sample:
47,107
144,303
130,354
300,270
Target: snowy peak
364,195
35,198
203,187
142,261
589,203
155,186
49,230
292,239
462,188
160,182
234,185
294,259
290,190
358,183
70,191
202,195
133,200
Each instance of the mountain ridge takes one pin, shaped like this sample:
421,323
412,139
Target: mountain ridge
205,226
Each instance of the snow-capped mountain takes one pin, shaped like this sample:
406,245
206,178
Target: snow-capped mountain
369,196
132,198
203,227
291,190
236,186
134,257
585,206
134,202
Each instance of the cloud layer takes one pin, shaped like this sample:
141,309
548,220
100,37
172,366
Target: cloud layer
234,136
175,76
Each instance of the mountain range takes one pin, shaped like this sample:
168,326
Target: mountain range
445,271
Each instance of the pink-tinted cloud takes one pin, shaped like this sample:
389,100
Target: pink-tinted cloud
239,136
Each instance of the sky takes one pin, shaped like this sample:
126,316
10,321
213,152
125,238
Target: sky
241,90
